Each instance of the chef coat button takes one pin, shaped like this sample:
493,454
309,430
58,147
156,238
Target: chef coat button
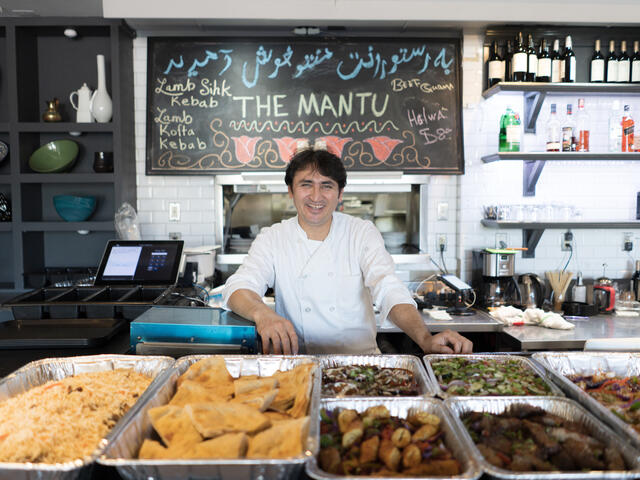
331,309
331,274
307,309
304,276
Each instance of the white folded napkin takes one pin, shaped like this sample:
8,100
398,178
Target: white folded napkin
531,316
437,314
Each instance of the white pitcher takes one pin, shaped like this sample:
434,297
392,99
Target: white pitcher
101,105
83,112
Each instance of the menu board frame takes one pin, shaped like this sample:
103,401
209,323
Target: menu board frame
417,132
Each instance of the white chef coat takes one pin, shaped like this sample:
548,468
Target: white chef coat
326,292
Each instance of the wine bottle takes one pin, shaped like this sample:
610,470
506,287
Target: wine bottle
612,63
495,67
544,63
508,62
582,127
520,61
597,65
569,61
624,64
635,65
569,132
554,132
532,60
556,62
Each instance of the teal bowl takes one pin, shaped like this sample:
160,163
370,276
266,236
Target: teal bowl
54,157
74,209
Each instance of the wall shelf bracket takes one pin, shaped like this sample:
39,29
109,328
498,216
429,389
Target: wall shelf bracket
531,171
530,239
532,104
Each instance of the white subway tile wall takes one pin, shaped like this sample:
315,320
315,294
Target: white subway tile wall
597,190
155,192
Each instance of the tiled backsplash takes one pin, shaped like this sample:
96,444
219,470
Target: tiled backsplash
600,190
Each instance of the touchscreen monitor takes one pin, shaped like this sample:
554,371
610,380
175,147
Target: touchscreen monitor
138,262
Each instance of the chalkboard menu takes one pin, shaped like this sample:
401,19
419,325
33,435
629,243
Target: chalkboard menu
236,105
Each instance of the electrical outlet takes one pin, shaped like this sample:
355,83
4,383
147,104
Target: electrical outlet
441,241
566,241
627,242
502,240
174,212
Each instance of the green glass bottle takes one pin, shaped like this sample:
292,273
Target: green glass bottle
509,138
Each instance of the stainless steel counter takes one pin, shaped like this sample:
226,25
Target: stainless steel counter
601,326
478,322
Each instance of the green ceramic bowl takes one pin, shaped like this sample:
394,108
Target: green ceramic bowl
54,157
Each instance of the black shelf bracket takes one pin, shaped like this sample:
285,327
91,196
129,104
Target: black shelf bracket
530,239
532,104
531,170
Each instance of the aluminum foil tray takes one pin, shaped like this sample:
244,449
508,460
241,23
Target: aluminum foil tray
408,362
402,407
123,451
563,407
41,371
517,358
560,364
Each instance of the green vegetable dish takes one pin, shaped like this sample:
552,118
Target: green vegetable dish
490,377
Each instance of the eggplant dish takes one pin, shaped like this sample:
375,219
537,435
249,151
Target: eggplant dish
368,380
460,376
621,395
527,438
374,443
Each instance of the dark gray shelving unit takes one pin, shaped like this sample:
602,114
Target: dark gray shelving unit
38,63
532,231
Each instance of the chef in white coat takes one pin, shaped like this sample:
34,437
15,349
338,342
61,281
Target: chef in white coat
327,270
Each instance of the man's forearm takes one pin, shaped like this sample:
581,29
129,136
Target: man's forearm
409,320
249,305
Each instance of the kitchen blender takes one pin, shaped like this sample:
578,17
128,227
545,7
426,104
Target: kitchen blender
493,277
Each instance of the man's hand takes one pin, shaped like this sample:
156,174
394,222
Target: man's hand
447,342
278,335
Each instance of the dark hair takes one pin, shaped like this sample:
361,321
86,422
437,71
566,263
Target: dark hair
325,163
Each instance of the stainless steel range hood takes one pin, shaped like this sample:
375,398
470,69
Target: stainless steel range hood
411,189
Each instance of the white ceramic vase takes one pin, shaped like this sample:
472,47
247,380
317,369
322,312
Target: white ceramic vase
101,106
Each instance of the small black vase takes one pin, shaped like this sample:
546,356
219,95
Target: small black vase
5,209
103,162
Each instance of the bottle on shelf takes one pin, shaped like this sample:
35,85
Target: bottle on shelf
569,131
509,137
532,60
495,66
556,62
635,281
597,65
624,64
582,127
554,132
544,63
627,130
612,63
508,62
569,61
635,63
520,60
615,129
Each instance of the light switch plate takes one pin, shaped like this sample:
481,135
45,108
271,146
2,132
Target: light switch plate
443,211
174,212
